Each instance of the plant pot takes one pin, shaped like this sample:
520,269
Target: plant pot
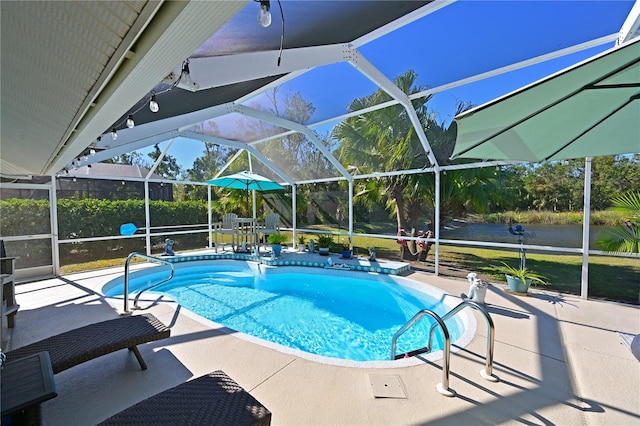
324,251
346,254
277,249
301,247
516,285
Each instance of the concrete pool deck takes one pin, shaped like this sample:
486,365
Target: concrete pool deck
560,360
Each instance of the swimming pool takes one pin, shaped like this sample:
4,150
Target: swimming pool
336,314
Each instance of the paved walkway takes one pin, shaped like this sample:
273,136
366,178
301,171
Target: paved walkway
560,360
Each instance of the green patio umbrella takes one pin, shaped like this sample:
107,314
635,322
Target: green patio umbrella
587,110
246,180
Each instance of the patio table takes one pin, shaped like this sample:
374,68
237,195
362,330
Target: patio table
245,233
26,382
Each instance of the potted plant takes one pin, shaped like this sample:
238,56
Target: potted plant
346,250
324,242
519,279
301,246
276,241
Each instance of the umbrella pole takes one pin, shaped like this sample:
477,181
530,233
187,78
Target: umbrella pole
247,199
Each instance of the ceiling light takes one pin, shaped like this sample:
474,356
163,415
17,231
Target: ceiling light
264,16
92,152
153,104
130,123
114,134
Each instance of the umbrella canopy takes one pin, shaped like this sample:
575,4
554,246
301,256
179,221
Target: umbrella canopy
587,110
246,180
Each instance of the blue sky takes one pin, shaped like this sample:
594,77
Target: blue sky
461,40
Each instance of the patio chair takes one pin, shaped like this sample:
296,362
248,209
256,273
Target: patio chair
225,227
83,344
212,399
271,226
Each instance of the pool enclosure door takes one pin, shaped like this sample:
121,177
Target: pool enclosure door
30,233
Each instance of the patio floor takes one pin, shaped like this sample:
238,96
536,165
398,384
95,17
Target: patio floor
560,360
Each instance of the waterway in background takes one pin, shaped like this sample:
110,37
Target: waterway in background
542,235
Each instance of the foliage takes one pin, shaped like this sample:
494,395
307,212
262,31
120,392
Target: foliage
24,217
626,236
277,238
168,167
523,274
325,240
93,218
301,239
559,185
133,158
608,217
386,139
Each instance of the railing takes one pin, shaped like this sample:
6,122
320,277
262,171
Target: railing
126,278
443,387
487,372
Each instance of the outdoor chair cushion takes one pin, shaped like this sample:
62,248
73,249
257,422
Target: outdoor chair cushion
212,399
82,344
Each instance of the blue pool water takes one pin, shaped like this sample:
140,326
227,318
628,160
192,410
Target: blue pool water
347,315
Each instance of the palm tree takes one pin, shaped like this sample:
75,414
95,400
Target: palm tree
624,238
385,140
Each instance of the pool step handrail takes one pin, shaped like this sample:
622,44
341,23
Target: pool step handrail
442,387
126,278
487,372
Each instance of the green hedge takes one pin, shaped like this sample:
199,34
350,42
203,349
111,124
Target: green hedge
96,218
23,216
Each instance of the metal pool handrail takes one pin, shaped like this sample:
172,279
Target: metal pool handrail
443,387
487,372
126,278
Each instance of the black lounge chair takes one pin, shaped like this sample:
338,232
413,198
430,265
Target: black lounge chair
212,399
83,344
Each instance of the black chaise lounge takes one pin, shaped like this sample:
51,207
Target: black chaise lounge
212,399
83,344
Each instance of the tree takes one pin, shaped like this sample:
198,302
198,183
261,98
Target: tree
131,158
385,140
556,186
626,236
168,167
206,166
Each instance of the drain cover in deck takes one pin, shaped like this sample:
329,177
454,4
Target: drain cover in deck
387,386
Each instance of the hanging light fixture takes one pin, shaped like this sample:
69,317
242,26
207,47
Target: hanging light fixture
114,134
130,123
264,15
153,104
185,75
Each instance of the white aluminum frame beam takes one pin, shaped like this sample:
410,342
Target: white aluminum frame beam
631,27
251,150
219,71
402,21
359,62
288,124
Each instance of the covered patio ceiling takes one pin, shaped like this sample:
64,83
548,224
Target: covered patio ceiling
72,71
